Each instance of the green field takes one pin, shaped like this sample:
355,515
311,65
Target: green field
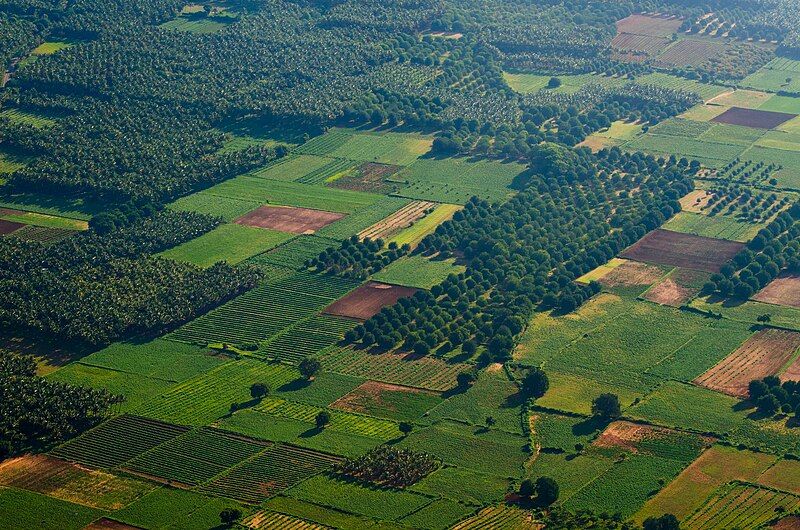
175,508
418,271
228,242
292,167
528,83
197,24
388,148
778,75
719,226
748,312
706,91
27,118
31,510
421,228
363,218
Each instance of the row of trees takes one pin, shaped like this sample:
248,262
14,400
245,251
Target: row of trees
770,396
357,258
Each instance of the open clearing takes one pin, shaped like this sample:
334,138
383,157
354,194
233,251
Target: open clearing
683,250
763,354
759,119
368,300
637,437
784,290
291,220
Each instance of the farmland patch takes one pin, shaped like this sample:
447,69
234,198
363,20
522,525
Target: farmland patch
292,167
720,226
763,354
680,286
292,220
368,300
369,176
418,271
740,505
385,400
632,274
683,250
25,509
9,227
402,218
412,235
783,290
500,517
166,507
760,119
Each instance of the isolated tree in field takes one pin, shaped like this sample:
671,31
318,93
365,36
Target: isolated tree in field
527,488
465,379
322,419
258,390
665,522
229,516
406,427
490,422
606,406
309,368
546,491
764,319
535,383
554,82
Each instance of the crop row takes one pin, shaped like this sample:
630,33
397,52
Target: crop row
307,338
294,253
117,441
278,468
330,169
322,145
339,421
741,506
268,520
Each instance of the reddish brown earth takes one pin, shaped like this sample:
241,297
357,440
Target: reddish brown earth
371,395
759,119
292,220
763,354
678,288
9,227
791,522
683,250
655,25
783,290
368,299
632,274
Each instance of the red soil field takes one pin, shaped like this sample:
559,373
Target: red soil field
292,220
372,393
690,52
644,44
654,25
758,119
109,524
678,289
761,355
9,227
632,274
368,299
783,290
683,250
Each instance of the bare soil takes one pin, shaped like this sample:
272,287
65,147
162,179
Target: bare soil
763,354
632,274
665,247
371,392
107,524
783,290
368,300
678,288
758,119
9,227
291,220
626,435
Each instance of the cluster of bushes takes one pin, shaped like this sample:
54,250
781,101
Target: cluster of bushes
357,259
390,467
36,413
774,249
770,396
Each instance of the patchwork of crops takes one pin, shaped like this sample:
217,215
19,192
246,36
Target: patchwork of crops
306,339
294,253
322,174
265,311
102,447
196,457
500,518
209,396
279,467
325,144
339,421
400,219
363,218
743,506
269,520
426,372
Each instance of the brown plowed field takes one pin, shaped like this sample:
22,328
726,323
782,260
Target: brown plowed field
627,435
109,524
654,25
402,218
790,522
291,220
368,299
372,393
793,372
639,44
678,288
783,290
9,227
690,52
632,274
683,250
759,119
761,355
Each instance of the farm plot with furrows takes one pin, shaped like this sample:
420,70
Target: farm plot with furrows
681,127
291,220
655,25
293,254
306,339
390,148
741,506
683,250
207,397
43,234
690,52
402,218
398,368
765,353
278,468
71,482
118,440
340,421
291,167
369,176
646,45
368,300
362,219
783,290
321,285
325,144
500,518
269,520
760,119
333,167
197,456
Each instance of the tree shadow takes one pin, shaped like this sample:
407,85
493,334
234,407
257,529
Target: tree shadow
513,401
296,385
311,432
590,425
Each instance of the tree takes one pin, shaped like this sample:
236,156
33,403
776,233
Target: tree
490,422
554,82
527,488
465,379
606,406
757,389
228,516
665,522
546,491
535,383
258,390
322,419
406,427
309,368
768,405
764,319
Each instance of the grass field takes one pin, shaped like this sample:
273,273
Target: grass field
778,75
197,24
363,218
32,510
417,232
438,515
229,242
175,508
292,167
51,47
748,312
706,91
719,226
22,117
387,148
418,271
463,485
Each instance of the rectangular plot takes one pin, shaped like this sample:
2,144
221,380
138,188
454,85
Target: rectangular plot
306,339
197,456
683,250
103,446
740,506
363,218
368,300
296,252
760,119
292,220
278,468
325,144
